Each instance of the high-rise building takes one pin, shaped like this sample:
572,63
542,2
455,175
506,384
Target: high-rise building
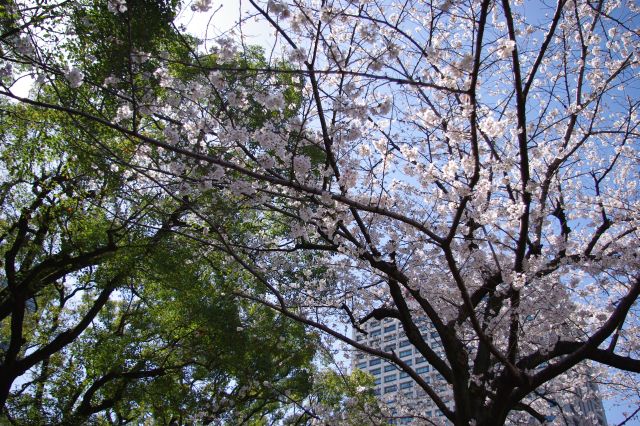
404,397
584,407
392,385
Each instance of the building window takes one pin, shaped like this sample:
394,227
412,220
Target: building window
406,385
390,347
409,362
406,353
390,389
375,371
390,328
389,378
404,343
375,332
376,392
374,361
389,337
421,370
420,360
376,381
361,365
434,335
403,375
389,368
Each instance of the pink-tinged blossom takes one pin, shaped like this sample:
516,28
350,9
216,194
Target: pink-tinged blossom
111,80
279,9
301,165
117,6
201,5
6,70
124,113
75,77
505,48
171,134
24,46
217,79
267,161
298,55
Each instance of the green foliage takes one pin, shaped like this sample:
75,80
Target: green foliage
178,315
174,342
348,398
107,40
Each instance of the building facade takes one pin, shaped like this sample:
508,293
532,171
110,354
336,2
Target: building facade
394,386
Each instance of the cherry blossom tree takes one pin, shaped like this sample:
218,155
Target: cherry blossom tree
473,163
